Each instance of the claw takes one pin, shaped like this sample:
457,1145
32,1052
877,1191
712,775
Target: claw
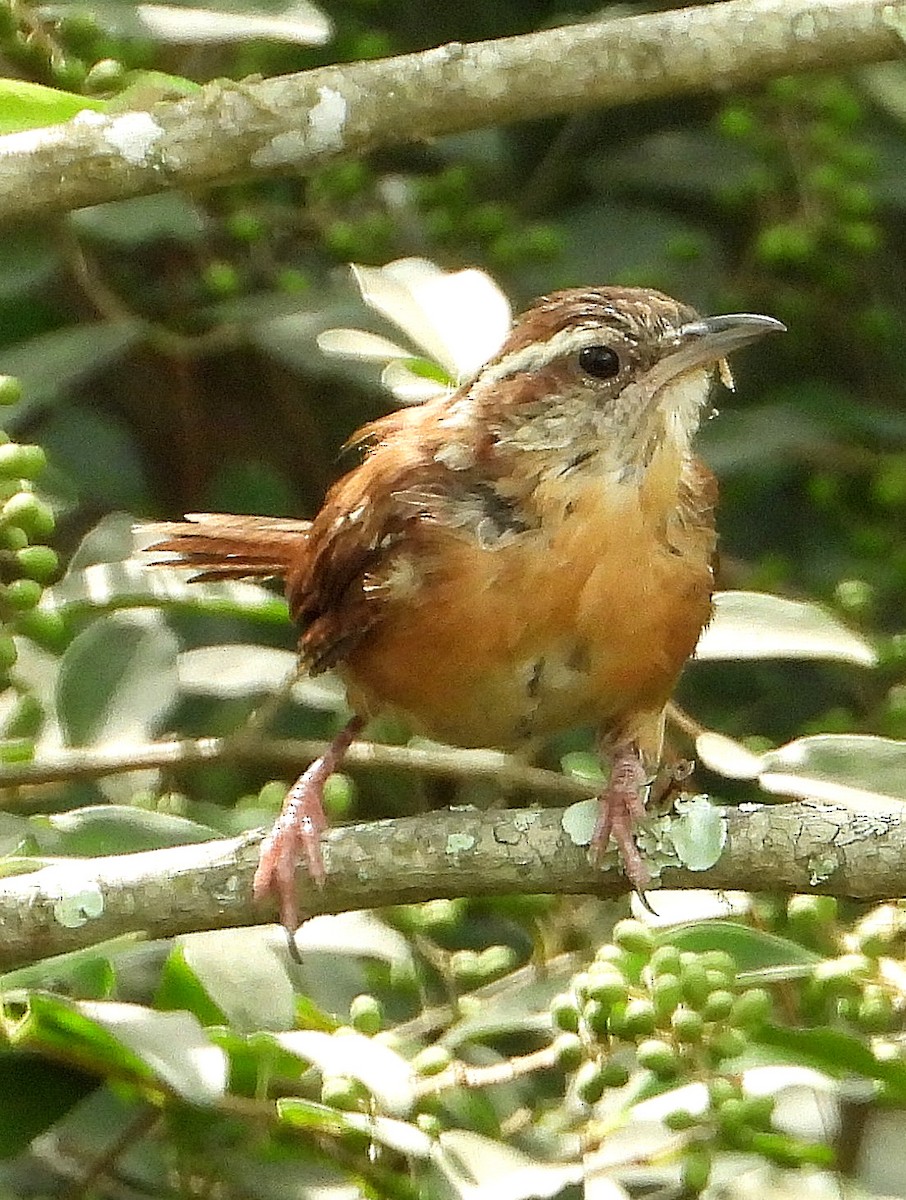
622,808
296,834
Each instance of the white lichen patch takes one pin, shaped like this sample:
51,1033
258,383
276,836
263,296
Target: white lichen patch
698,832
327,120
458,843
134,136
324,132
578,821
75,908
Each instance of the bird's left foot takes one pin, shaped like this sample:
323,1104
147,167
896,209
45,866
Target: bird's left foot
621,809
296,835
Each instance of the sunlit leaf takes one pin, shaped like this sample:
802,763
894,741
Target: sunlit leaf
136,585
836,1054
459,318
384,1072
727,756
234,669
298,22
491,1170
25,105
852,769
753,625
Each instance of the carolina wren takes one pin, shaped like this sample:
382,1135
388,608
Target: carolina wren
529,554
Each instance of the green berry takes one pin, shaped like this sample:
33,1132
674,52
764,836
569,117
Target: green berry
639,1019
718,1005
843,975
665,961
107,75
568,1051
565,1012
8,653
875,1012
429,1124
666,994
29,513
46,628
688,1025
38,562
246,227
366,1014
719,960
221,279
10,389
590,1083
728,1044
759,1111
695,1171
21,462
465,966
720,1089
615,1073
606,985
22,594
68,73
680,1120
13,538
339,1091
599,1018
695,984
659,1057
633,937
432,1060
495,961
339,796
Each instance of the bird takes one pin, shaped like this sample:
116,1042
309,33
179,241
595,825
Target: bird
531,553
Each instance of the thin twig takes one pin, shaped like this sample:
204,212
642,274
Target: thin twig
61,766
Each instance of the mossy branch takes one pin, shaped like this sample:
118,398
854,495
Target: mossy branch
295,122
798,847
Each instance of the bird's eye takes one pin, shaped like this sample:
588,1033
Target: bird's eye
599,361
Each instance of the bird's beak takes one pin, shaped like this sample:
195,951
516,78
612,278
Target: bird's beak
711,339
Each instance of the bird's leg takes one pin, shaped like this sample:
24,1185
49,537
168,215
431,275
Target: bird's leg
296,835
622,808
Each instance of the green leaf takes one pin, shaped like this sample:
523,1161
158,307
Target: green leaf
837,1054
754,625
51,365
851,769
137,585
26,105
118,680
395,1135
35,1095
751,949
101,829
131,223
171,1047
244,975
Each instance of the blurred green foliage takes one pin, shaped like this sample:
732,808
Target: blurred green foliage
159,356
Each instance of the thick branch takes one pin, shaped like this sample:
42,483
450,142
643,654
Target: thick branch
294,122
792,847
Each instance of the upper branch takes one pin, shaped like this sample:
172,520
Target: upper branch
293,122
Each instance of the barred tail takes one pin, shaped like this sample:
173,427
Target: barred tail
219,546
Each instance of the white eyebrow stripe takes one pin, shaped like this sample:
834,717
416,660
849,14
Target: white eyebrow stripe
537,355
